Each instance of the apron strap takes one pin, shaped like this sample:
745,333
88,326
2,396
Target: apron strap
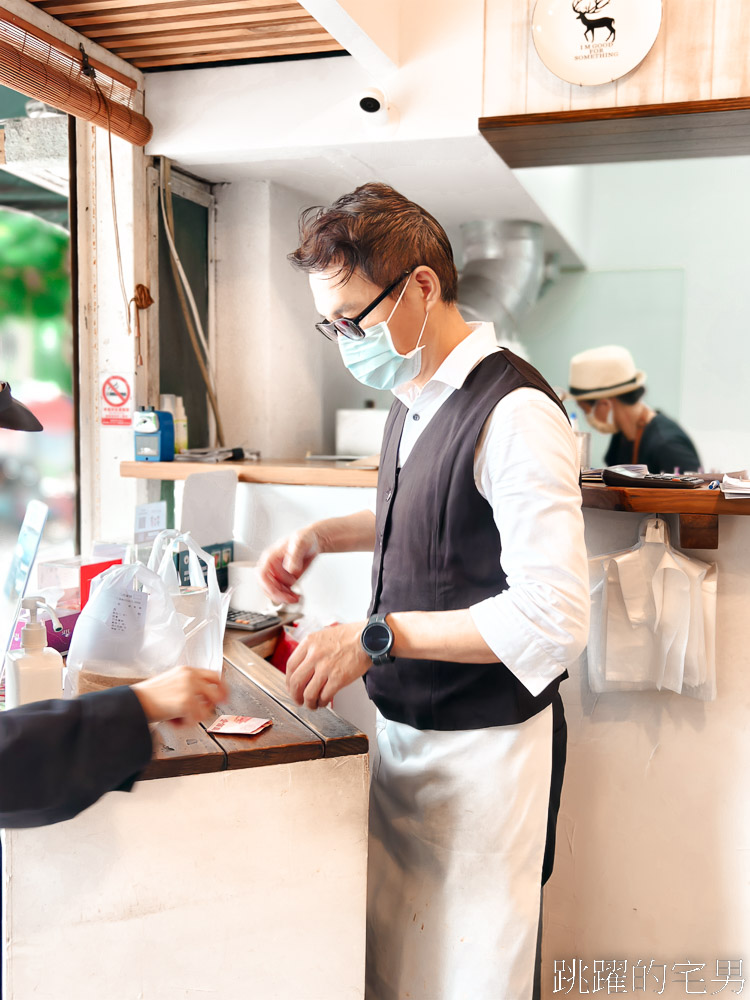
640,427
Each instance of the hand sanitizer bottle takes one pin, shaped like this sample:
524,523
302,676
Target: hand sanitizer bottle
35,671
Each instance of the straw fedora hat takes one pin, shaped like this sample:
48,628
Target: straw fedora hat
603,372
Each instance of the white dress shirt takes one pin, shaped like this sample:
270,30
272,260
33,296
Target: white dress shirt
526,467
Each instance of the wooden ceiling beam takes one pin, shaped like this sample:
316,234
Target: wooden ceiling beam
166,47
154,62
210,36
112,29
64,8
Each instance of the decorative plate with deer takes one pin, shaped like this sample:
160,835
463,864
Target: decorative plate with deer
589,42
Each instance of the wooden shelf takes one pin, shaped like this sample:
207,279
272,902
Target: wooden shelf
698,510
615,135
287,473
654,501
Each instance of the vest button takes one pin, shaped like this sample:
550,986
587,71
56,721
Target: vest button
388,495
415,417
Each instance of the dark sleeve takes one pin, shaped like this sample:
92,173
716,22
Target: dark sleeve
673,450
58,757
613,455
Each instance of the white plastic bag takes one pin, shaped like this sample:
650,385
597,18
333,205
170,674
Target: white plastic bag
128,630
202,603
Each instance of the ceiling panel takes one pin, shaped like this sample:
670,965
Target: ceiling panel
182,33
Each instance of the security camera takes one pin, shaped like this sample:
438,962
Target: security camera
376,110
373,101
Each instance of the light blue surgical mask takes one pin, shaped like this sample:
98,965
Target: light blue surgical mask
374,361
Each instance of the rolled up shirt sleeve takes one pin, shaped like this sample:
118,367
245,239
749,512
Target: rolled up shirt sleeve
526,467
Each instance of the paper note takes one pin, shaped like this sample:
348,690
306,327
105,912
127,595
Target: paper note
128,615
150,519
238,725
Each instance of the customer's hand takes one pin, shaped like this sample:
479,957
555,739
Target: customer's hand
284,562
185,694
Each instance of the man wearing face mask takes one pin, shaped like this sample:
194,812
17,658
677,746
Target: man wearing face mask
479,602
605,383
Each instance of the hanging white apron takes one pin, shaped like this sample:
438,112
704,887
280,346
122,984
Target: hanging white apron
458,823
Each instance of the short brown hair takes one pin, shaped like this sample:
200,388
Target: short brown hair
379,232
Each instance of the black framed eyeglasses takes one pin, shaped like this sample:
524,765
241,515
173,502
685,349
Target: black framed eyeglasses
350,327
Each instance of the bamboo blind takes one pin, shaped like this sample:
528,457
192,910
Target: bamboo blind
40,66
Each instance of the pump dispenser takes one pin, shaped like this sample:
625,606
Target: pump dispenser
35,671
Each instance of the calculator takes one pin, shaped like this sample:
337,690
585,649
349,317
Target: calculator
615,476
251,621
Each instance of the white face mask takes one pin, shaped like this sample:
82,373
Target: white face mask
607,426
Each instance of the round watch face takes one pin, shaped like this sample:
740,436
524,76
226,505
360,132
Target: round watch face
589,42
377,638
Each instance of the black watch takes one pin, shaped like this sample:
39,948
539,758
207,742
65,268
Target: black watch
377,640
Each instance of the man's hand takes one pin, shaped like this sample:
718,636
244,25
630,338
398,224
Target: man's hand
186,694
284,562
324,663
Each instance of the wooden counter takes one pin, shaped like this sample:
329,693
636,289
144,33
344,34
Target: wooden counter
256,689
286,473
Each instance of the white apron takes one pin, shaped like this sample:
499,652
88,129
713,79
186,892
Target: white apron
458,823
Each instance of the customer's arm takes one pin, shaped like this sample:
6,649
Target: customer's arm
58,757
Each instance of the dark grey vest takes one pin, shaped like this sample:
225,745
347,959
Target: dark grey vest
437,549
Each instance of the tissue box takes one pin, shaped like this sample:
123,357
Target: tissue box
70,579
57,640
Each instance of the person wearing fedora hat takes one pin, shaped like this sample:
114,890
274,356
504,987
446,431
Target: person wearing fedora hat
58,757
609,389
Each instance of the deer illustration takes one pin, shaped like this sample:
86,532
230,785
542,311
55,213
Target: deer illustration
600,22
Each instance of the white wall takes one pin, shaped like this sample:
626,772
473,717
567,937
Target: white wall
653,848
264,322
691,215
635,308
279,380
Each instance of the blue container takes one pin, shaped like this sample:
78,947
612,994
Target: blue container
154,435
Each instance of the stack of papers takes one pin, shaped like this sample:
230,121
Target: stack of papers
736,486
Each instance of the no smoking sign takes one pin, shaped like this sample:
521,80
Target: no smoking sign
116,401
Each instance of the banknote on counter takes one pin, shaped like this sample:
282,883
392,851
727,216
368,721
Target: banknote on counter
238,725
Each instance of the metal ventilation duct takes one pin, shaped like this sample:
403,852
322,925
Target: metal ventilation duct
503,272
